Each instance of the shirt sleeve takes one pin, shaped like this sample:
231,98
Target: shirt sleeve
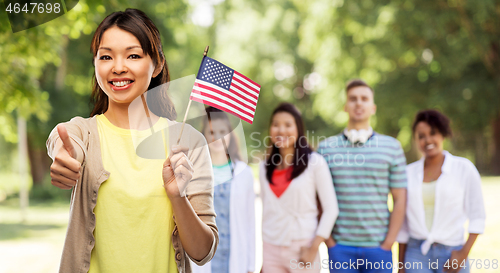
200,189
474,204
397,170
327,196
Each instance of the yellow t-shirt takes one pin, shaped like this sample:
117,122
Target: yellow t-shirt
429,196
133,213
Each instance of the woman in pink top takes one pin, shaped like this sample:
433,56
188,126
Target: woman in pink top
292,177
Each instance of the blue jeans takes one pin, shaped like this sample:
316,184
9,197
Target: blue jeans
434,261
359,259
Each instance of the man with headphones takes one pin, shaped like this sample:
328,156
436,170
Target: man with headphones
366,166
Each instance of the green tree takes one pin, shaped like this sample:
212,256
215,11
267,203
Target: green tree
416,54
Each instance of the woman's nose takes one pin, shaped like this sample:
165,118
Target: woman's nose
119,67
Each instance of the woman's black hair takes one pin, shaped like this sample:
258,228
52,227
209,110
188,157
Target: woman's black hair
302,148
435,119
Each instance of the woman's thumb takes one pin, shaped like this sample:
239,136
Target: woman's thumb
63,134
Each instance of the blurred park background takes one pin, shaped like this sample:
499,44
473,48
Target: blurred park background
442,54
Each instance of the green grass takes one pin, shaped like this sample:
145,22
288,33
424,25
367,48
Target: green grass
35,244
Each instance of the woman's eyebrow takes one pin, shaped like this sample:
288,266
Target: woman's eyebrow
128,48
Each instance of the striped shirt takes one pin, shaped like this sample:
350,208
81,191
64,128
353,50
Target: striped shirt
362,176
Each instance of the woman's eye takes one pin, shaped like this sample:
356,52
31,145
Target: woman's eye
105,57
134,56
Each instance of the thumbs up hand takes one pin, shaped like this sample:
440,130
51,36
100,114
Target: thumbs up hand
65,169
66,141
177,172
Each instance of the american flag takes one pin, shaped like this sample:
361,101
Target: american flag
226,89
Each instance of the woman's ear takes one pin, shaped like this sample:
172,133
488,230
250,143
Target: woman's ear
158,69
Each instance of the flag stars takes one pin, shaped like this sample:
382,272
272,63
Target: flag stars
217,74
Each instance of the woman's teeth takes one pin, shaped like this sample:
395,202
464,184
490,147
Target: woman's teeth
122,83
430,146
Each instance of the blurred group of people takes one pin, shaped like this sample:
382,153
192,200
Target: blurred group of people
339,193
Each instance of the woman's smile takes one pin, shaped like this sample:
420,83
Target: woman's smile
118,84
430,147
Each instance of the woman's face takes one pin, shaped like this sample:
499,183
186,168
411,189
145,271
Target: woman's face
122,69
216,130
283,130
429,140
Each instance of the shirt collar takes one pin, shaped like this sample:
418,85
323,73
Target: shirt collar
446,168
